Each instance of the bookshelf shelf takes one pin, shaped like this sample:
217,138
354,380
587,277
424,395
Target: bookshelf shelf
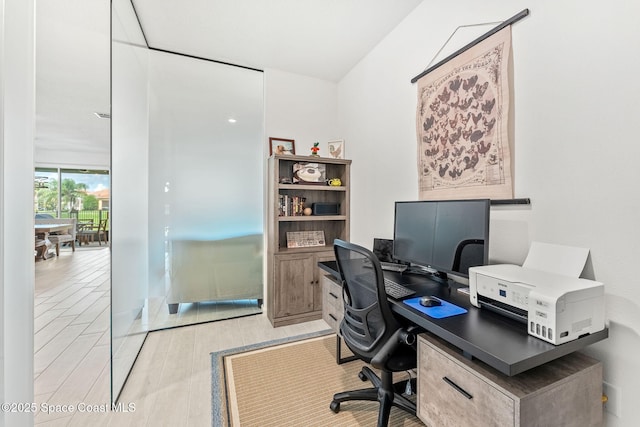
304,218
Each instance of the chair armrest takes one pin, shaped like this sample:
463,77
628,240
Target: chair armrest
403,336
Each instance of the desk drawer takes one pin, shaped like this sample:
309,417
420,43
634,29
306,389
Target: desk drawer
450,395
332,305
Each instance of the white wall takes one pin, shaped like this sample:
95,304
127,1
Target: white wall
300,108
576,106
17,115
71,159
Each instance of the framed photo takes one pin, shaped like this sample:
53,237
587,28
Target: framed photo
281,146
336,149
305,239
310,173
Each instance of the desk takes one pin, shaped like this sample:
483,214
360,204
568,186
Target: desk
496,340
481,368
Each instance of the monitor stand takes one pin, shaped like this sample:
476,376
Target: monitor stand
436,276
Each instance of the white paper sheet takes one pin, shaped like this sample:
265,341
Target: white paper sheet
558,259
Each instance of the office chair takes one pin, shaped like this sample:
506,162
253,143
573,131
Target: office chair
469,253
372,332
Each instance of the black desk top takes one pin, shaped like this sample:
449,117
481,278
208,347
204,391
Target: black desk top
496,340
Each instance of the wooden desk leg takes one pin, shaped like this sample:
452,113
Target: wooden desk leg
339,359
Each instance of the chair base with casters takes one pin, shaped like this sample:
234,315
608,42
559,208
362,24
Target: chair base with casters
383,391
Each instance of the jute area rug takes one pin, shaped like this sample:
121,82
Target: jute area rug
291,384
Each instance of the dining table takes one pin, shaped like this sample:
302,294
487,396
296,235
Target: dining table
50,228
45,230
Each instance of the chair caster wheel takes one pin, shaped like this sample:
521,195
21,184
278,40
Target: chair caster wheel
362,376
335,406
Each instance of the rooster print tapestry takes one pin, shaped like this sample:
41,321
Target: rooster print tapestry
462,124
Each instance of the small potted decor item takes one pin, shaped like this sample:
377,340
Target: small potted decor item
315,149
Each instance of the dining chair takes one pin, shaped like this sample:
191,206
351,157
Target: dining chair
69,236
90,232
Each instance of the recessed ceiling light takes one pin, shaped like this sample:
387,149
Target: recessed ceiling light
232,120
102,115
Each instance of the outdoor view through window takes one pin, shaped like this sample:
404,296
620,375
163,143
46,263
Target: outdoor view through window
71,193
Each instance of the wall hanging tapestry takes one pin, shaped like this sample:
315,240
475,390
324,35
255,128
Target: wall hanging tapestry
463,123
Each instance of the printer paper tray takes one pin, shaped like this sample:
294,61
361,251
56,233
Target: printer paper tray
504,309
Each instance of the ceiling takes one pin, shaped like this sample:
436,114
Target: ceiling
72,75
316,38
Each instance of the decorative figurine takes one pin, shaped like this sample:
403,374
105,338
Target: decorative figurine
315,149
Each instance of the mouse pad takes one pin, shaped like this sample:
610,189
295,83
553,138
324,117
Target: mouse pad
439,312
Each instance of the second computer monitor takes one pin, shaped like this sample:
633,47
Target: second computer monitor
383,249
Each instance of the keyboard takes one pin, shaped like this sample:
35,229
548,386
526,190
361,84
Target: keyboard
396,290
387,266
392,266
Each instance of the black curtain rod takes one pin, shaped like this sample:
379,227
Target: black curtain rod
522,201
486,35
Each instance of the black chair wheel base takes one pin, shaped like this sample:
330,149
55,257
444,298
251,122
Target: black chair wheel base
362,376
335,406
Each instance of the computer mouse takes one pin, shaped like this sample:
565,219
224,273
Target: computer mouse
427,301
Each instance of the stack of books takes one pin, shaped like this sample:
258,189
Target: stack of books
290,205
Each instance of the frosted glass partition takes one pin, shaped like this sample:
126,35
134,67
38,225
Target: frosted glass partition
187,156
129,184
206,173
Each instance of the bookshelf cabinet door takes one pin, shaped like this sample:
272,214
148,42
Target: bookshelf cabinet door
294,284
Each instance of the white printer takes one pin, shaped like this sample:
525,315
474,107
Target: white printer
557,308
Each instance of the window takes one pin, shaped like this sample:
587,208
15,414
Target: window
71,193
45,189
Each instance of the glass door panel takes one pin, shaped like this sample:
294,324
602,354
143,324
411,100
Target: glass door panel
187,191
129,192
206,191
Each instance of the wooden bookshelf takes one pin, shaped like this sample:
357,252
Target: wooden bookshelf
294,292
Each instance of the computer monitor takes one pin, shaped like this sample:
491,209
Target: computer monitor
442,237
383,249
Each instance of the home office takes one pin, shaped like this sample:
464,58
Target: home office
563,54
433,302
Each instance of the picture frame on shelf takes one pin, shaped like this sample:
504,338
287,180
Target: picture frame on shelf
305,239
336,149
310,173
282,146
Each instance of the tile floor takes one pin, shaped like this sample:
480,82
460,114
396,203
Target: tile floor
170,383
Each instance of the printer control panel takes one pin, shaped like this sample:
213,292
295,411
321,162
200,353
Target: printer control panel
511,293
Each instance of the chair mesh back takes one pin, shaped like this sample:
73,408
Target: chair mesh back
364,326
469,253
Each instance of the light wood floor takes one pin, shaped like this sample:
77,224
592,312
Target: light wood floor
170,383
